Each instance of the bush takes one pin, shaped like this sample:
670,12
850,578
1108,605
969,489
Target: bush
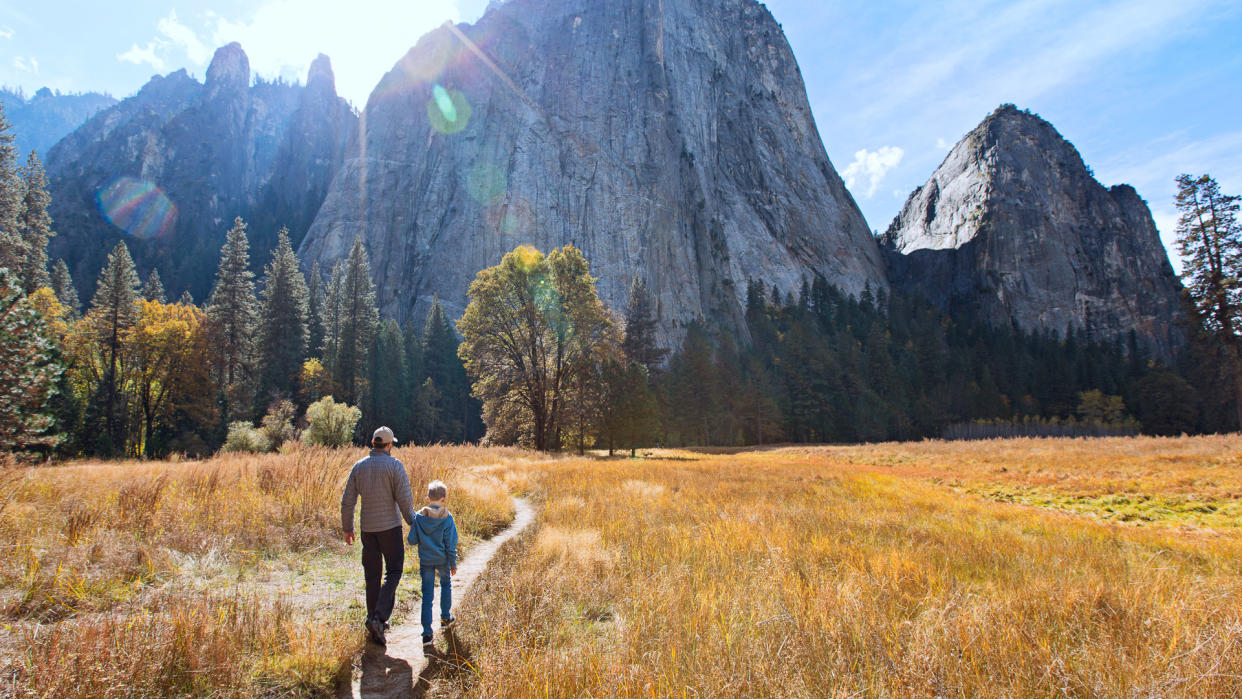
244,437
277,425
331,424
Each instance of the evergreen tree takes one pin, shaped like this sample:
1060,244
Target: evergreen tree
12,194
389,403
114,310
153,289
640,328
186,299
443,367
232,309
36,226
66,292
333,313
283,323
358,322
314,311
29,372
1209,239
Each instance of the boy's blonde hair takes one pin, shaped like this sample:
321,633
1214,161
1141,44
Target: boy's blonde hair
436,490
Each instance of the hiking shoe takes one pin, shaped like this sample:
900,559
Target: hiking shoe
426,639
445,623
376,627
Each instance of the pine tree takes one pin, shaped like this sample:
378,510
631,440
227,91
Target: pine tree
640,327
389,403
29,372
444,368
12,193
233,310
114,310
153,289
186,298
1209,239
283,319
357,325
332,313
36,226
66,293
314,311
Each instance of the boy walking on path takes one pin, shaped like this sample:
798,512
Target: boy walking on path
436,536
382,483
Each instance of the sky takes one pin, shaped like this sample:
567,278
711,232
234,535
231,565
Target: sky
1145,89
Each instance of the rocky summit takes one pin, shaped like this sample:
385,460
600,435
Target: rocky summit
39,122
168,169
1013,228
670,139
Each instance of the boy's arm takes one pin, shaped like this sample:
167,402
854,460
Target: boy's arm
450,544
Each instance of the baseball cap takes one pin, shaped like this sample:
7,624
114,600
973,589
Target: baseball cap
385,435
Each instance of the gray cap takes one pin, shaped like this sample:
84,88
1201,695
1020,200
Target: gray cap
385,435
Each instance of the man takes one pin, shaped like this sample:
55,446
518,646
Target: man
382,483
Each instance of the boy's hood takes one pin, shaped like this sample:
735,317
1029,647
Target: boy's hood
434,512
430,524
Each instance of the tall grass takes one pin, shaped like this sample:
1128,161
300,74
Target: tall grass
121,570
860,572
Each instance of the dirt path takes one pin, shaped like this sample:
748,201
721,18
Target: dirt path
400,669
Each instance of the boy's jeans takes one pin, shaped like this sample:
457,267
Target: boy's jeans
429,591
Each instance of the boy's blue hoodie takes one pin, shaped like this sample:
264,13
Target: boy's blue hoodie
436,536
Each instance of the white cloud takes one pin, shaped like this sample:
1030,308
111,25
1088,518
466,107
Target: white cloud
26,64
138,56
943,144
5,32
183,37
873,166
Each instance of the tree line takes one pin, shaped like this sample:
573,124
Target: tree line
537,359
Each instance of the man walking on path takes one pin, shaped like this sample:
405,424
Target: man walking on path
382,483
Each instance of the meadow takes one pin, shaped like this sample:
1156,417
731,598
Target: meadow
1072,567
1100,567
226,577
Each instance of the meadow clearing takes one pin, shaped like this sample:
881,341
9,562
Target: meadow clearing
1103,567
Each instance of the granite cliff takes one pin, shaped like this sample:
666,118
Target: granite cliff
168,169
1014,228
666,138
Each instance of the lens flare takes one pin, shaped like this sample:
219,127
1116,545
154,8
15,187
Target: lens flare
513,219
487,184
137,207
448,110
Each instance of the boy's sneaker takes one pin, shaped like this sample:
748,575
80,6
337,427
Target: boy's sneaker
445,623
426,639
376,627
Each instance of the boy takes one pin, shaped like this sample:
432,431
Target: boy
436,536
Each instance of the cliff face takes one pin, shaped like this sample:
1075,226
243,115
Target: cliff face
168,169
39,122
1014,228
666,138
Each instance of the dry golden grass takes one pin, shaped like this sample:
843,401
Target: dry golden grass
225,577
867,571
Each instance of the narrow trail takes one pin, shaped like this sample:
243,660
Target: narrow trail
400,669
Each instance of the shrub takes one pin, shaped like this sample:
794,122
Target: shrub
277,425
244,437
331,424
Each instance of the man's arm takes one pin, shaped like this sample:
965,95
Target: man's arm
403,495
348,501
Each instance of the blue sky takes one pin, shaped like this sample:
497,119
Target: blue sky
1145,89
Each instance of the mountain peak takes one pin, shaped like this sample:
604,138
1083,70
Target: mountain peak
320,75
229,67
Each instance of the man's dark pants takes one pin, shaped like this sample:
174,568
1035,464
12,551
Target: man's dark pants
388,547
